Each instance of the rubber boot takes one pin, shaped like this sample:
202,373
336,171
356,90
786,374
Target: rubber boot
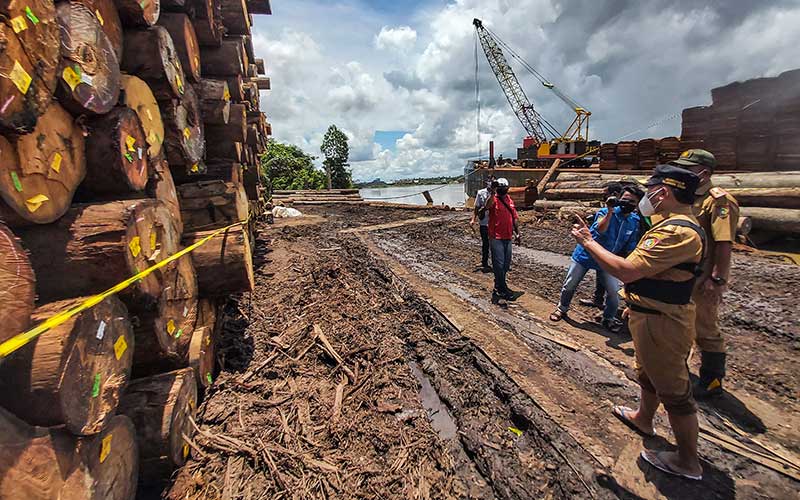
712,371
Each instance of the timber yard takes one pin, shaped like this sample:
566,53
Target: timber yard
185,317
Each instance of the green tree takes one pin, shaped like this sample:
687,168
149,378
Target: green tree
285,166
337,153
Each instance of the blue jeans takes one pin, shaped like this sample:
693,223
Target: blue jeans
575,274
501,263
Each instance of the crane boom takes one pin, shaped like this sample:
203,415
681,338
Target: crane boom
529,118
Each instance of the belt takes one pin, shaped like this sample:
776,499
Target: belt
643,310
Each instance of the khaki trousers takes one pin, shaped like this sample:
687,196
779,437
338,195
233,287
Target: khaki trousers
709,338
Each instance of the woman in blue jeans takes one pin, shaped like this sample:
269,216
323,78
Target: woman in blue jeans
616,228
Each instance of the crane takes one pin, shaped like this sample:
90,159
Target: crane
542,135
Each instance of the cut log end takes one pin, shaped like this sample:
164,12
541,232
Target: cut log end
139,97
183,35
17,286
138,13
116,154
113,459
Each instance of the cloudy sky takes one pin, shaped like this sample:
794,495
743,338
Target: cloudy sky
399,76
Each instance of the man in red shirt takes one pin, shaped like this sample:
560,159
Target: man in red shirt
502,227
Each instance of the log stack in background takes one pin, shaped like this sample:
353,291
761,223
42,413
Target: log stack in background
128,130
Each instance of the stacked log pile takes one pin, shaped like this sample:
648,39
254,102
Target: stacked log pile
340,196
644,154
107,110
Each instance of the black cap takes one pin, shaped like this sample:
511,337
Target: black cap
683,182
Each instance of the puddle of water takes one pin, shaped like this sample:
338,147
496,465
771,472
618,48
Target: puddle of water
439,416
544,257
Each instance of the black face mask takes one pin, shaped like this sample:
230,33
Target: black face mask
626,206
502,190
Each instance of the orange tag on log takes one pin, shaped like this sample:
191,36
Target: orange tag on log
56,163
105,448
120,346
20,77
136,246
34,203
170,327
19,24
71,77
130,141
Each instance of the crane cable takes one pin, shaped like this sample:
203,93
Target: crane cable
477,97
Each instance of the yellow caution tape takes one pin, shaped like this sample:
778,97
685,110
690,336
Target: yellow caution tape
14,343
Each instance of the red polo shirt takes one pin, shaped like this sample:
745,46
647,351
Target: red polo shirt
501,220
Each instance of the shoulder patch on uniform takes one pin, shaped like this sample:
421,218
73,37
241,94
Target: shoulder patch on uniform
717,193
650,242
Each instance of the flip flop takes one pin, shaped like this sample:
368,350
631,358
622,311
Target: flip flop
621,412
653,459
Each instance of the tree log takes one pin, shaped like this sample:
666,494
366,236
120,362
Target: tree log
160,407
116,154
42,464
236,87
185,41
263,83
251,180
207,20
106,13
211,204
151,55
216,170
185,138
40,173
74,373
138,96
225,60
236,128
161,186
224,150
235,17
732,180
89,69
251,96
203,348
17,286
253,138
259,7
93,247
224,264
138,13
215,101
573,194
28,62
262,68
779,220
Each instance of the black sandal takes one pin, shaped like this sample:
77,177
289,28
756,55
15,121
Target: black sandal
557,315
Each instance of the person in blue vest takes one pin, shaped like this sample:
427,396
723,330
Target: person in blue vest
616,228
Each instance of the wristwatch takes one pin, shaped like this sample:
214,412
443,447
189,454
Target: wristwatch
718,281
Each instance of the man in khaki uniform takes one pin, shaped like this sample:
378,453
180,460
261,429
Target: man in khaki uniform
718,214
659,277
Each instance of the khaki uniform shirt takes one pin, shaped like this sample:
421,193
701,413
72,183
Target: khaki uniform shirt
718,215
659,251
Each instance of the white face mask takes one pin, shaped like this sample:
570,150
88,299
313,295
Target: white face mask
646,207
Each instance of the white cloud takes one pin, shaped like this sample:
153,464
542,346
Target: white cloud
400,39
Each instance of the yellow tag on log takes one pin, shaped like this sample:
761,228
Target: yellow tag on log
187,133
195,168
179,83
185,450
120,346
151,138
130,141
136,246
153,239
56,163
170,327
105,448
19,24
99,17
226,95
34,203
20,77
71,77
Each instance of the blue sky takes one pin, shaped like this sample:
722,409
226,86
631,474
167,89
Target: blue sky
378,68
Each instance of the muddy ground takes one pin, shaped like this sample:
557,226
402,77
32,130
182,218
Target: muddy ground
369,363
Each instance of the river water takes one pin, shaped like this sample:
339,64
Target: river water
447,194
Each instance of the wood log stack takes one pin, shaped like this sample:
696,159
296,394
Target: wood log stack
301,197
107,108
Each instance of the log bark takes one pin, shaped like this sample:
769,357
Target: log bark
235,17
151,55
40,173
74,373
209,205
236,128
262,68
573,194
224,264
185,135
779,220
39,463
252,97
207,20
28,63
160,407
251,180
236,87
729,180
161,186
93,247
106,13
138,96
203,348
17,286
216,170
116,154
224,150
263,83
184,38
215,101
226,60
89,68
767,197
138,13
